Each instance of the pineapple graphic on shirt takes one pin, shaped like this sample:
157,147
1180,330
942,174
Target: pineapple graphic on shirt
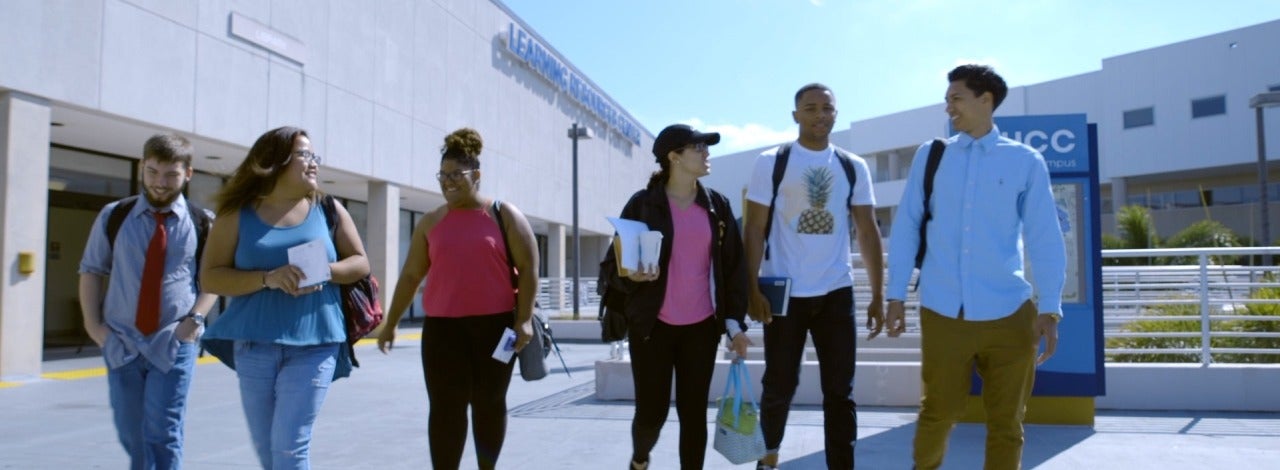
817,220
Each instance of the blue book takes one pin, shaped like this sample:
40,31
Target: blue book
778,291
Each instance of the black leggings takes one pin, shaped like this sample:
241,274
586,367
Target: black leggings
689,351
459,369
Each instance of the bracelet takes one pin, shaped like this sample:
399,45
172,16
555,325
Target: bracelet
264,279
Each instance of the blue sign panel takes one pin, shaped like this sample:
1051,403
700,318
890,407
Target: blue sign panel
540,58
1069,146
1063,139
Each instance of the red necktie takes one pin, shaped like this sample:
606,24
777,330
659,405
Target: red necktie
148,318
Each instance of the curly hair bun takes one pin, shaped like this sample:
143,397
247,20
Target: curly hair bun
465,142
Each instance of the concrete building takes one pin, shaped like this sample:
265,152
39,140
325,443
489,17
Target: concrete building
377,84
1175,132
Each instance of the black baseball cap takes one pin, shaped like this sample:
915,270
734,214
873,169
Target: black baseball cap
676,136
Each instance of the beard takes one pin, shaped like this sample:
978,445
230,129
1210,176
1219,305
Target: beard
162,202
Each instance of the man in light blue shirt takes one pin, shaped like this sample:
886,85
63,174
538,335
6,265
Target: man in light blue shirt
991,198
149,346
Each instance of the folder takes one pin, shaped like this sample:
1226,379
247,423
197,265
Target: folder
778,291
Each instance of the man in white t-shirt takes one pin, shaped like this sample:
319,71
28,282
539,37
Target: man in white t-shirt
808,242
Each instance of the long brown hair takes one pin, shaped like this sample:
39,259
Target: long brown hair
257,174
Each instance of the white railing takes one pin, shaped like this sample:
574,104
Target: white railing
1220,297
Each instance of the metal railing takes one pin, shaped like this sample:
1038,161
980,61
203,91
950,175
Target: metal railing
1143,305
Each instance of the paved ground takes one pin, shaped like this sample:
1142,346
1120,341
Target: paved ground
377,419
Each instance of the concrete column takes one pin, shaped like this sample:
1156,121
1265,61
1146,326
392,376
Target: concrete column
383,245
24,212
1119,194
555,263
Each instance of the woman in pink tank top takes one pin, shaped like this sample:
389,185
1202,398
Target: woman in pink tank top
468,303
678,310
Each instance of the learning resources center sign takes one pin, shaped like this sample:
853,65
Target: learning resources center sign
541,60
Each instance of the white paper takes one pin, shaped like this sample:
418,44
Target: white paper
628,240
506,348
313,259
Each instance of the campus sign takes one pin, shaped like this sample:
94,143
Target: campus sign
540,58
1070,149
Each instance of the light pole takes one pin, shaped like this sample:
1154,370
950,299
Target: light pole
1258,103
576,132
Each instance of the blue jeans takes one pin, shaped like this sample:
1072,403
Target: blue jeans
149,407
829,319
281,389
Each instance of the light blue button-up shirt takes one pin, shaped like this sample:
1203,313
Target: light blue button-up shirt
991,195
125,262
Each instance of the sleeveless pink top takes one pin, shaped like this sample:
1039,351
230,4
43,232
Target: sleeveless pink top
469,274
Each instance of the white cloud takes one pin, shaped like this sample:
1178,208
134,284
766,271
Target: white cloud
736,138
817,3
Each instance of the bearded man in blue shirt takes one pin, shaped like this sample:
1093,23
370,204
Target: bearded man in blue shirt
991,197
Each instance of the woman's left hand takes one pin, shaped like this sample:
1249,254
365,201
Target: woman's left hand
524,333
740,343
645,275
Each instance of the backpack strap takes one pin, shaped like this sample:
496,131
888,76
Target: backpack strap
930,169
779,169
502,227
328,205
116,218
202,219
846,162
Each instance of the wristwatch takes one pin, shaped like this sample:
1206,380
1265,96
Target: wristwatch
196,317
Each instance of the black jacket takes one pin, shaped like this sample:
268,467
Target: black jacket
729,269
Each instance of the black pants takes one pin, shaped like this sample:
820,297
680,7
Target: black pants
689,351
459,369
829,319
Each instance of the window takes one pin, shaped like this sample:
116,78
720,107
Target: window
1273,88
1205,107
1139,118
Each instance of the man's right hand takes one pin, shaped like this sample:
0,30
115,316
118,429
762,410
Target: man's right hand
896,320
758,307
98,333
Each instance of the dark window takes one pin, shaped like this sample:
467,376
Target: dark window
1139,118
1205,107
1273,88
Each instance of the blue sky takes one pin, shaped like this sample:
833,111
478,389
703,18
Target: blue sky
733,66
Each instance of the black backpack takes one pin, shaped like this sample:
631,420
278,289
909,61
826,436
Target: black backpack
780,169
200,217
930,169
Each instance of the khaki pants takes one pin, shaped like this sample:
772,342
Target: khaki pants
1003,352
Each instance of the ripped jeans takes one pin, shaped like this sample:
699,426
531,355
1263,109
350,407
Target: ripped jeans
282,388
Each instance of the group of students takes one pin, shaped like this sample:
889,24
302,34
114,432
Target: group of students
144,291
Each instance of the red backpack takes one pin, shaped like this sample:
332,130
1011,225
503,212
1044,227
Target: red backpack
361,310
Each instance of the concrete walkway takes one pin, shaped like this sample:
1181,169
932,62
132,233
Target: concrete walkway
377,419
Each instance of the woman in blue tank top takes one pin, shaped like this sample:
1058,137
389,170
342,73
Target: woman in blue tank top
287,329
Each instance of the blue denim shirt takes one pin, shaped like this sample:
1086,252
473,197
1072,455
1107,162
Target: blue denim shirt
124,264
991,197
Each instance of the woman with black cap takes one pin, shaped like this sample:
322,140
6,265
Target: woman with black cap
678,309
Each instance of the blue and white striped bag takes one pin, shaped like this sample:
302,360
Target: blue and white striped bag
738,435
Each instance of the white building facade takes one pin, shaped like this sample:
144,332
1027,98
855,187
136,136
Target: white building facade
376,84
1175,132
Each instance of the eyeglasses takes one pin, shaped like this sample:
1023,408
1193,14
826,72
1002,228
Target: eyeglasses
700,147
308,156
453,175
